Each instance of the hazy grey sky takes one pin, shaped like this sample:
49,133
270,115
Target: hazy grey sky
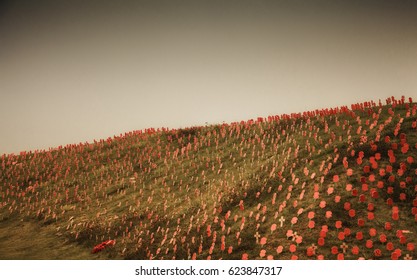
72,71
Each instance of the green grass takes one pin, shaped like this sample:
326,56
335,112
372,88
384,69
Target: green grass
157,193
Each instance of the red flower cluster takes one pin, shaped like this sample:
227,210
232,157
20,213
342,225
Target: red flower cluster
103,245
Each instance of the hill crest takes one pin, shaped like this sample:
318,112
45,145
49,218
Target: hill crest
334,183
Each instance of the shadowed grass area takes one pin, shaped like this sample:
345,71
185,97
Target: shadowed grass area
28,240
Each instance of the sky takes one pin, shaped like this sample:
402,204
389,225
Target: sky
74,71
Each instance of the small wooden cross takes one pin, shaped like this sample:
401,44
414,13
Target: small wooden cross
314,247
408,257
257,236
344,247
281,220
294,236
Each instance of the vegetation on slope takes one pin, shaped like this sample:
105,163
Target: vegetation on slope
328,184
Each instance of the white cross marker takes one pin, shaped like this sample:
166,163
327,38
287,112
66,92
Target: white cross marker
344,247
408,257
257,236
294,236
281,220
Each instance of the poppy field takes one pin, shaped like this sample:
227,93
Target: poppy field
335,183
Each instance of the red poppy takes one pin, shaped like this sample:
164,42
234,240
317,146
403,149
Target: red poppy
340,256
394,256
262,253
352,213
320,257
361,222
294,220
355,250
387,226
390,246
336,178
349,172
399,233
329,214
380,184
241,206
338,224
377,253
371,216
335,250
347,205
403,239
410,246
372,232
293,248
369,244
365,187
310,251
362,198
371,207
311,224
320,241
390,201
398,252
341,235
395,216
359,235
310,215
383,238
372,177
347,231
294,257
323,234
382,172
391,178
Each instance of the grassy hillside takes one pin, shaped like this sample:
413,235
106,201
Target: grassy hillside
335,183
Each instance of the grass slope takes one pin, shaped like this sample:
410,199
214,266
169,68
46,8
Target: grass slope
344,180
